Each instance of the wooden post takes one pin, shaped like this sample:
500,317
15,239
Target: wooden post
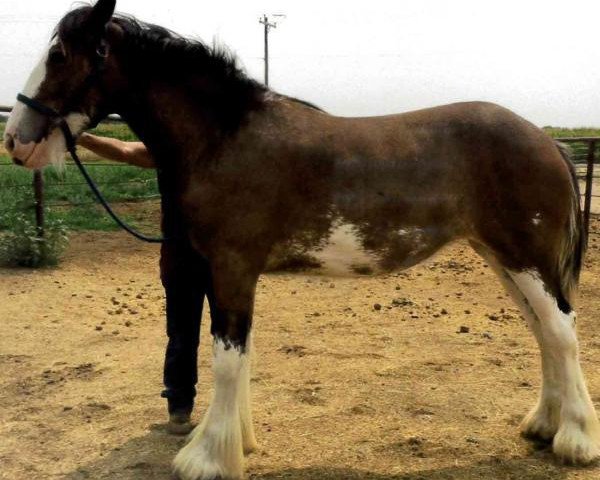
589,181
38,190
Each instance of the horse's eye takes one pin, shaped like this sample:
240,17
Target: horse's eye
56,57
102,50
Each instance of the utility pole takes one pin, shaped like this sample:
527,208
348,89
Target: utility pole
268,25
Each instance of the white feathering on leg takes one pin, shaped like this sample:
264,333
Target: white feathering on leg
215,447
578,437
248,437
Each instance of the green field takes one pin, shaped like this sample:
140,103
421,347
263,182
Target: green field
559,132
133,191
70,200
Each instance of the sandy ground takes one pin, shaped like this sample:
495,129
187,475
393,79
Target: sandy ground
341,390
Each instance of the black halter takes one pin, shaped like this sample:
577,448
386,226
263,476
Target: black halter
71,147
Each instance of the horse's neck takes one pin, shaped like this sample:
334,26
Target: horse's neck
167,123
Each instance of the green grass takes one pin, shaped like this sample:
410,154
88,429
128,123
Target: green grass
559,132
69,199
114,130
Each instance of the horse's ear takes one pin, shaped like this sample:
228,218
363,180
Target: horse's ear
101,14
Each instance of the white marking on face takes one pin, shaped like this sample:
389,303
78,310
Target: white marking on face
52,148
32,86
38,74
215,447
537,219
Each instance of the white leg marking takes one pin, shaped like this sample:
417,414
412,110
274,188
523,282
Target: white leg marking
248,437
215,447
577,439
543,420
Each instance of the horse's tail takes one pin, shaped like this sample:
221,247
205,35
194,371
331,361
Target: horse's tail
575,240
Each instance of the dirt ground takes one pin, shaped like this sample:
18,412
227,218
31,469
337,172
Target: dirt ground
341,389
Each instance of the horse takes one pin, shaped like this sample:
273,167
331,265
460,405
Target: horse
249,169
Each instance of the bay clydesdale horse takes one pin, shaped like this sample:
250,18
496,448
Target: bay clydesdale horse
246,169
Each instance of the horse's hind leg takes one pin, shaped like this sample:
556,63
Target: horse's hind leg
542,422
564,411
577,439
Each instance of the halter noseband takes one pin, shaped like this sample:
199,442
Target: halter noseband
53,114
71,147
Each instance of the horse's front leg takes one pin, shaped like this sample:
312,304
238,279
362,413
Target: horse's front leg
216,447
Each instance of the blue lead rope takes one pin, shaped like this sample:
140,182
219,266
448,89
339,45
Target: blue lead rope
71,147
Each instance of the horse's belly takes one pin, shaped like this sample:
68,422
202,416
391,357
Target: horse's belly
343,254
348,252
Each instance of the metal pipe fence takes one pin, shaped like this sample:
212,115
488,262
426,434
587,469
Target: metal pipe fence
584,153
73,198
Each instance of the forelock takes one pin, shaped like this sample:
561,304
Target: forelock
72,26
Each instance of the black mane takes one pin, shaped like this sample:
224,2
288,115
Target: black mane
153,53
210,74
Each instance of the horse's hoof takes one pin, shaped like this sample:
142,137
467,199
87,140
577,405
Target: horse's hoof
574,446
179,424
175,428
540,425
187,474
198,460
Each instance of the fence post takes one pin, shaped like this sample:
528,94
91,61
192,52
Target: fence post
589,180
38,190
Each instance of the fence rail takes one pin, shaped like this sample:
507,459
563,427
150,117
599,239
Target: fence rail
109,119
589,185
583,153
40,186
579,153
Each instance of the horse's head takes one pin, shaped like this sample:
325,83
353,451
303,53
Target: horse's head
68,79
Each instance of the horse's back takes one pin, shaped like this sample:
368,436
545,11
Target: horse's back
407,184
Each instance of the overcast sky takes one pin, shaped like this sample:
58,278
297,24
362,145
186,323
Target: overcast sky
536,57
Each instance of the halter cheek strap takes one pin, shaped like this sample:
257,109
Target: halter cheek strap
71,147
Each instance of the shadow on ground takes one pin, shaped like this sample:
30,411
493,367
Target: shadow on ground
514,469
149,458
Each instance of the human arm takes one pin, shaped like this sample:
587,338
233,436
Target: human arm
133,153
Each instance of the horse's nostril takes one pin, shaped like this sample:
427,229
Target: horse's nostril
9,142
17,161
